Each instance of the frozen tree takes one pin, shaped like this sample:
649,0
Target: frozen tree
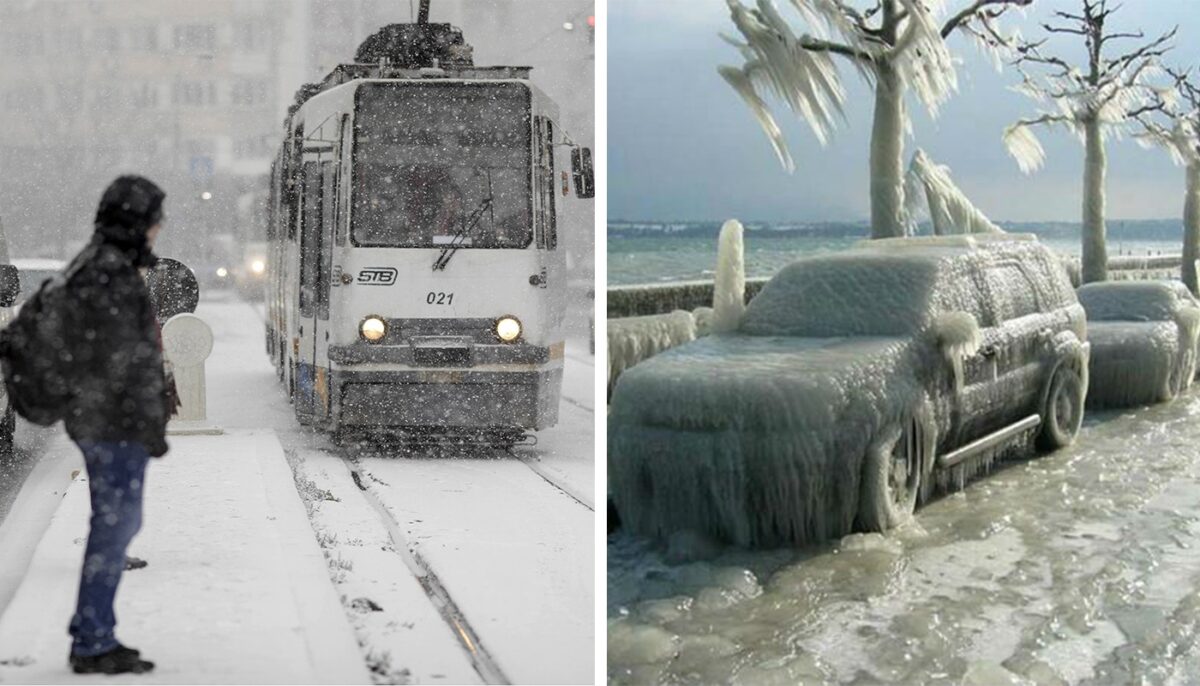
1100,100
897,46
950,211
1175,127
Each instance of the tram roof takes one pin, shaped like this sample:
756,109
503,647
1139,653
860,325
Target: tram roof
345,73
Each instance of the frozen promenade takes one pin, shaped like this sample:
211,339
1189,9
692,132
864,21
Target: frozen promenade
236,590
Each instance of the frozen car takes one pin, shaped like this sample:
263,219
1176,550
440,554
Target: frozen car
1143,336
857,383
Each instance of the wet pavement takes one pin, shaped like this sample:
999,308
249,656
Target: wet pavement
1082,566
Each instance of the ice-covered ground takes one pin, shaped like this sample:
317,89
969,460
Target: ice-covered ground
1082,566
448,569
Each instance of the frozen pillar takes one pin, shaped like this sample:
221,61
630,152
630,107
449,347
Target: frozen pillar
729,291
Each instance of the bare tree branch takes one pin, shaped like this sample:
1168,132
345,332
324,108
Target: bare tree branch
972,10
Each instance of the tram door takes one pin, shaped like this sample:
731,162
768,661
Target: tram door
311,215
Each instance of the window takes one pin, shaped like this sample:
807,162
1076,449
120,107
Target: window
106,39
194,93
142,38
251,36
246,93
442,163
143,95
1012,293
546,214
196,37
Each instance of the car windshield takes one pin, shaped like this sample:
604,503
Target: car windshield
1129,302
845,295
436,159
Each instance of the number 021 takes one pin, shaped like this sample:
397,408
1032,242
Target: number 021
439,298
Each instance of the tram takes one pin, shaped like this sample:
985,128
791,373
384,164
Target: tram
414,281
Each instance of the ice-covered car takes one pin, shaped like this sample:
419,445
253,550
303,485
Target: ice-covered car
857,383
1143,336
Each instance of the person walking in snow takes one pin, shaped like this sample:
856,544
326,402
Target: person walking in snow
118,412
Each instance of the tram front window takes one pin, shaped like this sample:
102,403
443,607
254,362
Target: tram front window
436,160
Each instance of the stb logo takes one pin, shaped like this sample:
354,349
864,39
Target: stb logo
377,276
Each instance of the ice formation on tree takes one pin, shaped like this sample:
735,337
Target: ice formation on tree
897,47
1175,127
1094,104
948,207
1143,336
729,287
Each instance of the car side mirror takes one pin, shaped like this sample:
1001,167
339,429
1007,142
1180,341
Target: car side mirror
958,337
173,288
581,169
10,285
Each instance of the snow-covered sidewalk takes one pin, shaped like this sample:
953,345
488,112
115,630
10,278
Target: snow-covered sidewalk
236,590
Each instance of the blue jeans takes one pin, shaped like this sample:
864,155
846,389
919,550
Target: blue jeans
116,477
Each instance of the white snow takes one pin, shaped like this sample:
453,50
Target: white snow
514,550
234,572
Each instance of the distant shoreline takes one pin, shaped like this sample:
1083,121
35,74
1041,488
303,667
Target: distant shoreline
1131,229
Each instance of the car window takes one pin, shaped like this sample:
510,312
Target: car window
1012,292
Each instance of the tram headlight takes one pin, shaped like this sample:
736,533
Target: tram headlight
258,266
508,329
373,329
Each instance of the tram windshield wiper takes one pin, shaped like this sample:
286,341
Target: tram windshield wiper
485,206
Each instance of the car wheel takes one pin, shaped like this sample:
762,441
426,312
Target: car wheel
892,478
1063,412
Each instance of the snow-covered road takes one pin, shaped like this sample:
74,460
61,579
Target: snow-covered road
487,564
449,569
1079,567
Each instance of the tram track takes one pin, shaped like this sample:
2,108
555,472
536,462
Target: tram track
481,659
439,596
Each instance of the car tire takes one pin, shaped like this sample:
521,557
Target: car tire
1062,412
892,478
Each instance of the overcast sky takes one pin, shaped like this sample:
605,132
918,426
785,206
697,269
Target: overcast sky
682,145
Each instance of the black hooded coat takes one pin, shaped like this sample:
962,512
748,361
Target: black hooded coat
120,389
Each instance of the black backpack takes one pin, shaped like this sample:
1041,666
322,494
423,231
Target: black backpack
36,352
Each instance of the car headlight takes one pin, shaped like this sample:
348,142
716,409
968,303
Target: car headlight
373,329
258,266
222,272
508,329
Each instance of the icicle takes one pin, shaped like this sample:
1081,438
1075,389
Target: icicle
1024,148
729,292
949,209
959,337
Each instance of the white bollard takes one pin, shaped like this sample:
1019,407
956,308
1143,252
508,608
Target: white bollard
187,343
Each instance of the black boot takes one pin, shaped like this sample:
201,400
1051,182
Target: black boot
119,660
134,563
